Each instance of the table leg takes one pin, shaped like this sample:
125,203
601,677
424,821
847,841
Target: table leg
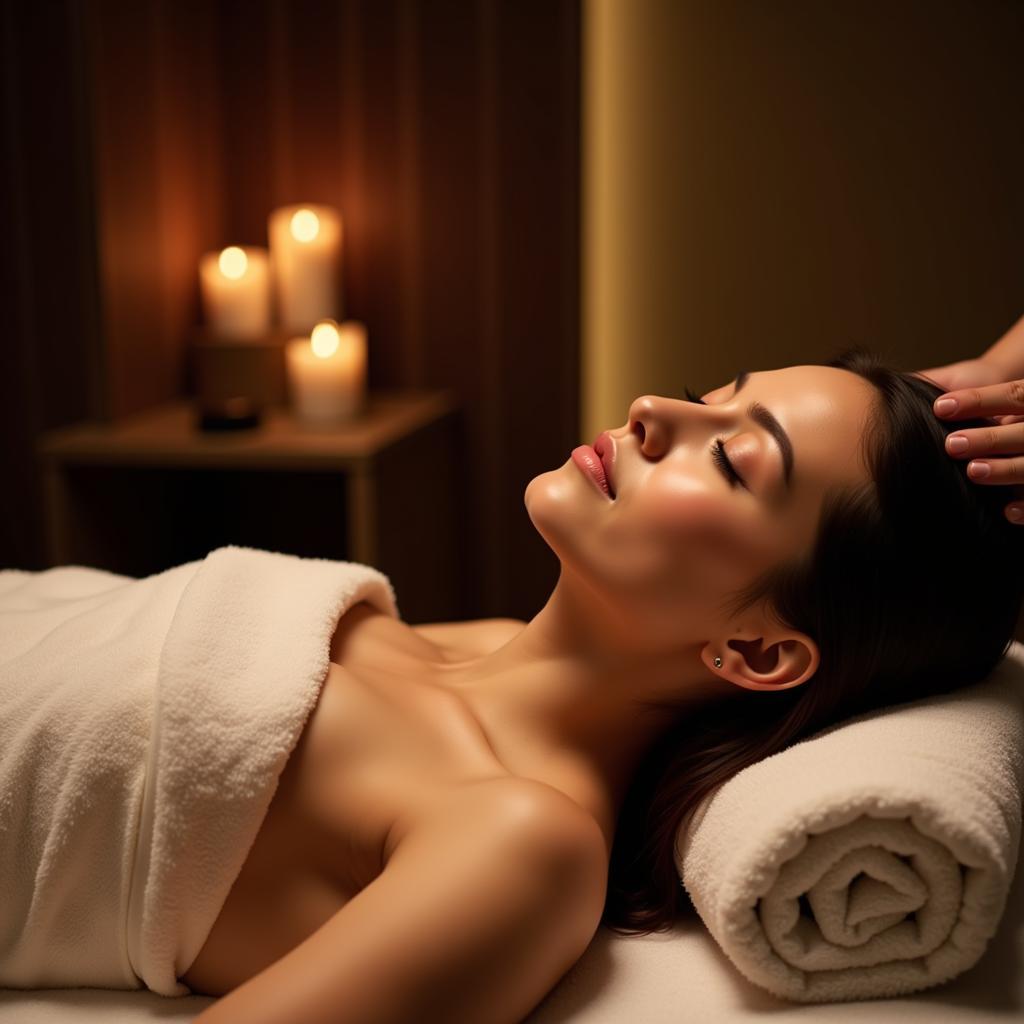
362,515
55,487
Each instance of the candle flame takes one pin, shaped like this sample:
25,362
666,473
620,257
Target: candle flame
305,225
324,339
233,262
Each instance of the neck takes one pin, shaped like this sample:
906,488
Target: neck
563,702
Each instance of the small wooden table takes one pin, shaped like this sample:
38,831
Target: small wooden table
151,491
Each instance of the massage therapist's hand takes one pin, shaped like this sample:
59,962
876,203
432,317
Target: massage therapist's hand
968,373
977,390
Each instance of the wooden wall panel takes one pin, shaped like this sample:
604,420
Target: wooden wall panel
446,131
250,122
158,187
452,252
190,204
50,356
535,377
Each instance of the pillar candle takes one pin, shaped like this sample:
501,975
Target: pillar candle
235,286
327,372
305,255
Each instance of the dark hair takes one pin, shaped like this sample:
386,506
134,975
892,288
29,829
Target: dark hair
912,587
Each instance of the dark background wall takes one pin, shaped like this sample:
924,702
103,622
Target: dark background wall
767,182
763,183
139,134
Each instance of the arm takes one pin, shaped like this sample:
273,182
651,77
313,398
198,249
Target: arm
475,918
1003,361
1008,352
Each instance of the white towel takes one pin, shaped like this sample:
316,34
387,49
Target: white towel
873,859
144,725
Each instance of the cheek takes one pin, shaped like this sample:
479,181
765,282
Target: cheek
694,540
710,539
687,515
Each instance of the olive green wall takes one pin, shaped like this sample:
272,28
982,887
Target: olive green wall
764,183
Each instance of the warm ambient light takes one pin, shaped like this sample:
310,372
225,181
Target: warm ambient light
305,225
305,249
324,339
235,286
233,262
327,372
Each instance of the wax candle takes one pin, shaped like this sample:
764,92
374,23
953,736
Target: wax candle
235,286
305,256
327,372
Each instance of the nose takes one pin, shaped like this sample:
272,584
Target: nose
655,420
647,421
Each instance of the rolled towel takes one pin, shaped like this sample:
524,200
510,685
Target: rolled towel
873,859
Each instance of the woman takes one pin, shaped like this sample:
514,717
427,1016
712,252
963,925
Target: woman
469,801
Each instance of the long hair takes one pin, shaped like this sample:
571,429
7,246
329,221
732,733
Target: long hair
912,587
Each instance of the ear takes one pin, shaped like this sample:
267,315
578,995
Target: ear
777,661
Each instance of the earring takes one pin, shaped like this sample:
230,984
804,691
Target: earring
718,662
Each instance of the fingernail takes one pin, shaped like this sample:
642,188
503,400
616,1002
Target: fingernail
944,406
956,443
1015,512
979,470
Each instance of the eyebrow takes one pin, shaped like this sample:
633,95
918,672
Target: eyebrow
763,417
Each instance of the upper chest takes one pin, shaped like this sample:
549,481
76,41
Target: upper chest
381,748
381,751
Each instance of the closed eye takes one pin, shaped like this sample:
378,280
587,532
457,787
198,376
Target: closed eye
718,450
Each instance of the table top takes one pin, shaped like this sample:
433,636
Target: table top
169,436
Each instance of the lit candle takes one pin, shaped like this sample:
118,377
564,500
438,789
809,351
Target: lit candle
305,253
327,372
235,285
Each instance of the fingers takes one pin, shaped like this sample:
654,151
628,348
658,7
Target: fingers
993,400
990,470
996,471
999,440
981,442
996,452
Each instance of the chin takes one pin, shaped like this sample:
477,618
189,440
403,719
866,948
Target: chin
547,499
562,511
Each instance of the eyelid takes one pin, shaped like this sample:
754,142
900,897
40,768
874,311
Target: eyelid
725,464
722,461
767,422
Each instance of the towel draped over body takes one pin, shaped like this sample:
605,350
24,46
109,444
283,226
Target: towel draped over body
144,724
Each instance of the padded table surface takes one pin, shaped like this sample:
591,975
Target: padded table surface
667,978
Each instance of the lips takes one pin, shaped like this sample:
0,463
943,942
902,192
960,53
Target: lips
598,462
604,445
587,459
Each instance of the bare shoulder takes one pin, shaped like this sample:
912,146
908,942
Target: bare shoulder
515,810
470,638
478,913
526,871
512,817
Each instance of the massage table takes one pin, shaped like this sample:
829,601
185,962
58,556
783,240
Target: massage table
672,977
676,976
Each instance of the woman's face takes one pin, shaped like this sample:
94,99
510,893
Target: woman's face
680,537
